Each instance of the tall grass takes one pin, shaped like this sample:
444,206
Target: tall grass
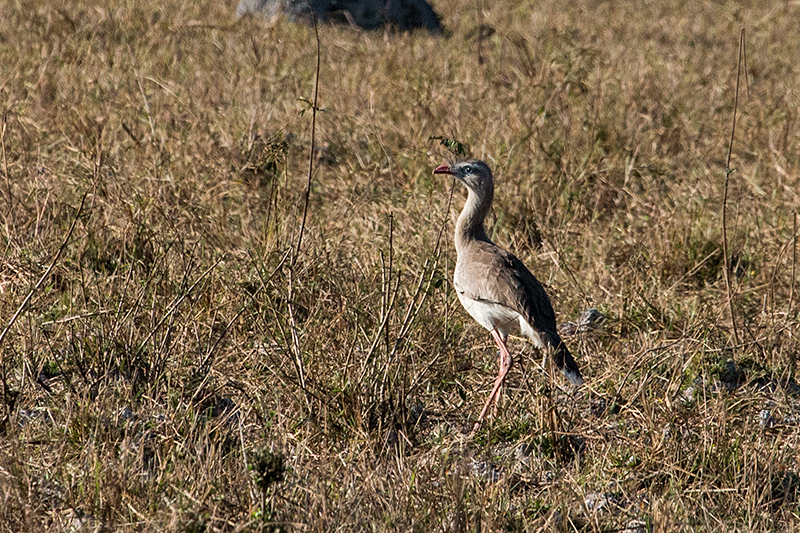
182,367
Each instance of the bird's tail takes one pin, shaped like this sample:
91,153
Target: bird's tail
564,360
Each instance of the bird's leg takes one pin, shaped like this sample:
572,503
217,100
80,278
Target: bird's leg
505,365
506,361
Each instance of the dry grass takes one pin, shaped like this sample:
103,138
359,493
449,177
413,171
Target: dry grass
163,354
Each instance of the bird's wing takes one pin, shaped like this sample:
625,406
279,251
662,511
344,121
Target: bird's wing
497,276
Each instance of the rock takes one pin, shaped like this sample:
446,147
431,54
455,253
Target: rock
405,15
688,395
600,501
765,419
731,375
486,470
636,526
456,521
588,321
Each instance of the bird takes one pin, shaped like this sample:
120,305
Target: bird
495,287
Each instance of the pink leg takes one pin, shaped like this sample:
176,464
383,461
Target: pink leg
505,365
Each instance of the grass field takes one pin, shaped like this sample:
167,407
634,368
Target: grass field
190,356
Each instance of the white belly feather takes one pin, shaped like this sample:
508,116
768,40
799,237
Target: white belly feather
504,319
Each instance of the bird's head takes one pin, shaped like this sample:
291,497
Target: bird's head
475,174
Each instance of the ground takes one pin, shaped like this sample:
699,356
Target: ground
212,323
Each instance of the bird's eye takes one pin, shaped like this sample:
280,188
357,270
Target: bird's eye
467,169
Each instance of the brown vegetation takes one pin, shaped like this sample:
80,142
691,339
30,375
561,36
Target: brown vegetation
183,368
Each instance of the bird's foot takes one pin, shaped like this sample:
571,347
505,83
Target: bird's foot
475,428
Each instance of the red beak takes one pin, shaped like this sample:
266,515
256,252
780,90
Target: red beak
444,169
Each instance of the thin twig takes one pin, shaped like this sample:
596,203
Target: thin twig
389,275
227,328
39,283
728,173
313,140
562,264
778,266
5,160
296,349
744,58
146,108
422,291
445,217
390,297
792,353
794,264
480,31
298,355
175,304
414,308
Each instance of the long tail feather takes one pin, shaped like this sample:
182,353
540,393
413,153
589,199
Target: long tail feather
564,360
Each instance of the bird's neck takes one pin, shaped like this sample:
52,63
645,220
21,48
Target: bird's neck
469,227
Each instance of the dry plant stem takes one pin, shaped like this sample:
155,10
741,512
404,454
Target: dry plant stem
391,296
792,354
413,309
227,328
296,349
298,355
313,139
744,58
479,11
94,434
779,267
251,486
554,421
389,273
379,334
146,108
177,304
39,283
728,173
794,264
412,312
388,298
5,160
560,263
